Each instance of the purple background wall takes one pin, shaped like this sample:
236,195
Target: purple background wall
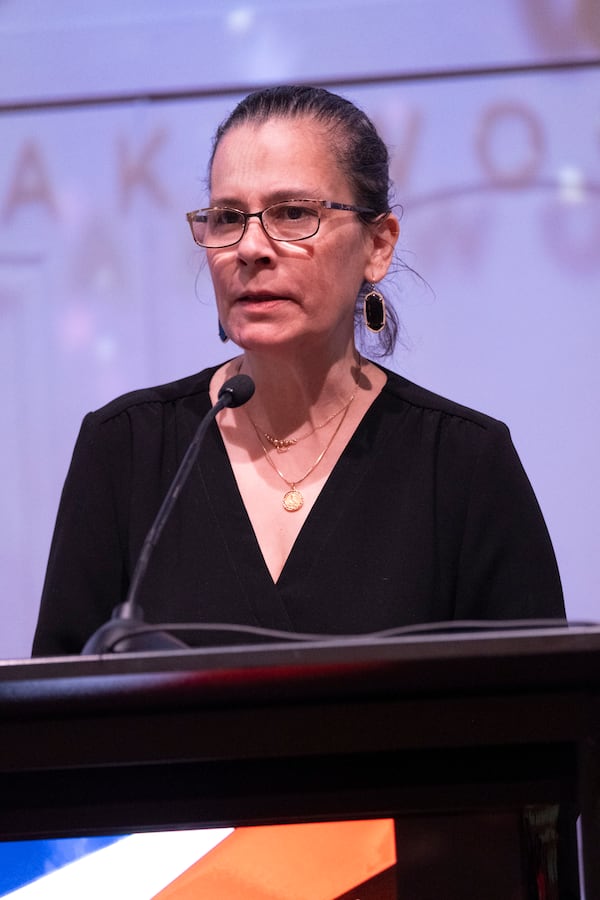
493,117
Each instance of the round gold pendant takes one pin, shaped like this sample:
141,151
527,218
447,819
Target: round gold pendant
293,500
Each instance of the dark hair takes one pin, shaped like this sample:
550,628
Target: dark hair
359,151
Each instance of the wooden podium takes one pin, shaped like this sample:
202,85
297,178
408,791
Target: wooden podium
426,729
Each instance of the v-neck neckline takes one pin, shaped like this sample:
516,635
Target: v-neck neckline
328,509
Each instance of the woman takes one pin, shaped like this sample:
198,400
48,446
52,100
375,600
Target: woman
341,498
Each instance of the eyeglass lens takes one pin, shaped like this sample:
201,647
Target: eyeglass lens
282,221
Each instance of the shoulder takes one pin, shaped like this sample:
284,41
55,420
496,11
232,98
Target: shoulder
448,434
472,454
193,387
404,394
138,422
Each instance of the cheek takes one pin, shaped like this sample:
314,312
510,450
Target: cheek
347,263
212,261
217,268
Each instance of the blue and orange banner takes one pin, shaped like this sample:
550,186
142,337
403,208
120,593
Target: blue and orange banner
323,861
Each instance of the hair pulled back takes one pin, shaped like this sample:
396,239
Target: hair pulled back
356,146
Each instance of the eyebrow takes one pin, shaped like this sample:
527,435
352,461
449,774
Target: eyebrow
271,197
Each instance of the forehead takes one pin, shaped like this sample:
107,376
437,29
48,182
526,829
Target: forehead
277,159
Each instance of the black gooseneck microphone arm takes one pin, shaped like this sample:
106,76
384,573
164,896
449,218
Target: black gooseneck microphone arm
127,618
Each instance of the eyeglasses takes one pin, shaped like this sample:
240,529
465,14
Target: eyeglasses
290,220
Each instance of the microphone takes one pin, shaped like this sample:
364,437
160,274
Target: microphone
236,391
126,626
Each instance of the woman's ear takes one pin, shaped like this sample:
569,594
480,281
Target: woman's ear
384,237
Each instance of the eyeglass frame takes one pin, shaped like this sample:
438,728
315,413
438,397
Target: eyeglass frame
326,204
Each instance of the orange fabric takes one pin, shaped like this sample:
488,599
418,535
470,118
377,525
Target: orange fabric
289,862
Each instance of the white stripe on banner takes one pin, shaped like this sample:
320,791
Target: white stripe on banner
136,867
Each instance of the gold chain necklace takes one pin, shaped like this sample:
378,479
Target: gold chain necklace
282,445
293,499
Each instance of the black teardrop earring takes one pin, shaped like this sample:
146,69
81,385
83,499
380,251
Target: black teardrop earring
222,333
374,310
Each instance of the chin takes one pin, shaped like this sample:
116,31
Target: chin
262,337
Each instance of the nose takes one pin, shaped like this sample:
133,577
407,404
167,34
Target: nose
255,245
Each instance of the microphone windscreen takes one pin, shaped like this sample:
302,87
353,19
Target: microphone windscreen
237,390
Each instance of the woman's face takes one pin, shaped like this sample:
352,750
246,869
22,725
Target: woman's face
276,294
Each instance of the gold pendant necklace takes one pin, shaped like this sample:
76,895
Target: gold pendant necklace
293,499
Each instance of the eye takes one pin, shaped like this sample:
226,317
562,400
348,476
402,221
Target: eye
296,212
293,212
223,218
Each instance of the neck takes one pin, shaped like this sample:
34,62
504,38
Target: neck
291,394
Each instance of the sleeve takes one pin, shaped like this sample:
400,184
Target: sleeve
507,567
86,576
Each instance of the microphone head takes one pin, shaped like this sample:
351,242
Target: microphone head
236,391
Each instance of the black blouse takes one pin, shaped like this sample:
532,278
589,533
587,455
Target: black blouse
427,516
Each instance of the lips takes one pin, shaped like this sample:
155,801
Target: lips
260,297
